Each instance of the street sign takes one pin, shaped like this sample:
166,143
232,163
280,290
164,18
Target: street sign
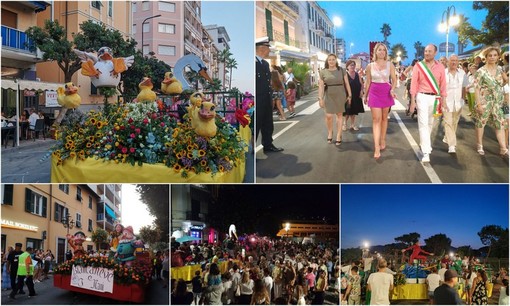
442,47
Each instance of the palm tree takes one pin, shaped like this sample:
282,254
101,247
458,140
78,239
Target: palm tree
231,63
418,47
386,31
223,56
394,51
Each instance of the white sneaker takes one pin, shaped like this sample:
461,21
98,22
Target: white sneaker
425,158
451,149
444,140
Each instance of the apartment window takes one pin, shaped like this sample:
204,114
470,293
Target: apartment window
64,188
93,89
7,193
90,226
133,8
286,32
78,194
166,50
35,203
90,202
269,24
146,28
60,212
78,220
166,28
166,6
34,243
134,29
145,5
110,8
96,4
145,49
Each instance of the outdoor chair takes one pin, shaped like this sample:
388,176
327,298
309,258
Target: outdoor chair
39,127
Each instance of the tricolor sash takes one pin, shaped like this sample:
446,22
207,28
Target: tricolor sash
431,80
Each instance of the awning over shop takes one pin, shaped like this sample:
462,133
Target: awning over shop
30,85
295,55
110,211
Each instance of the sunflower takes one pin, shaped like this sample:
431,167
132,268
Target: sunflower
91,138
177,168
100,125
203,163
93,121
72,154
201,153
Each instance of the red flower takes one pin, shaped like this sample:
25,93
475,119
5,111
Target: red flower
124,150
145,120
130,120
132,150
137,130
154,115
162,124
132,135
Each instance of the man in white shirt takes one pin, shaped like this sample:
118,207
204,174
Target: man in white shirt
433,280
268,281
442,271
380,284
456,82
32,119
289,76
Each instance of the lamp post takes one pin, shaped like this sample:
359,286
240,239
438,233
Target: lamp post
337,22
68,222
447,21
155,16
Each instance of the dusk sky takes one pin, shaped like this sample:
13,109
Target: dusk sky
238,19
410,21
379,213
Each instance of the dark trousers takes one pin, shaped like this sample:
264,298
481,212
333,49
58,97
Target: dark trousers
21,280
319,298
13,278
264,119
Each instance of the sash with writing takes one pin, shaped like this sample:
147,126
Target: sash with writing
431,80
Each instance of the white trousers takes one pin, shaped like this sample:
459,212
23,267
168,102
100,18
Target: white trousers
425,106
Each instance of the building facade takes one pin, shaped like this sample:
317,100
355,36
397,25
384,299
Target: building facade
41,215
308,231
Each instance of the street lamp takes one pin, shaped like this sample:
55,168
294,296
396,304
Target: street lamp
337,22
68,222
398,57
445,24
155,16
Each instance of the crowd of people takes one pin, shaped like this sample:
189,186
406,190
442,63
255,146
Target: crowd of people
370,280
434,87
259,271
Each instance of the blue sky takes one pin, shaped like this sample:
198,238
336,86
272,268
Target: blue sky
379,213
410,21
238,19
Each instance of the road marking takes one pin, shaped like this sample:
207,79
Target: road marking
310,109
285,129
434,178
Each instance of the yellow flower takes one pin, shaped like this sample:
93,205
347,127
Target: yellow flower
168,144
203,163
175,133
91,138
190,147
201,153
100,124
88,145
207,169
72,154
177,167
179,155
221,168
93,121
190,155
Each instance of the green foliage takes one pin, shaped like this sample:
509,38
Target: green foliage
93,36
143,66
494,28
420,49
386,31
465,250
348,255
496,237
438,243
408,239
150,234
395,49
157,199
99,236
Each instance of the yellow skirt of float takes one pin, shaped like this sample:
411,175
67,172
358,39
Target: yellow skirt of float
91,170
415,292
188,272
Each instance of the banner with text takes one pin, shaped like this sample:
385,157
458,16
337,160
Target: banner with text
51,99
91,278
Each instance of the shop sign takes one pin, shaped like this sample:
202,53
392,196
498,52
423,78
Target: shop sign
197,227
18,225
29,93
51,99
92,278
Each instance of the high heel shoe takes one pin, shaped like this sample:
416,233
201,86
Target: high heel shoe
330,140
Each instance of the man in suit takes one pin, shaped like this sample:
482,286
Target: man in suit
263,102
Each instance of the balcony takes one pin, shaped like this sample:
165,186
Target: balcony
15,46
292,5
280,37
100,219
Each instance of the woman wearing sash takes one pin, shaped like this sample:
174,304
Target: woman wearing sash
489,100
333,84
380,94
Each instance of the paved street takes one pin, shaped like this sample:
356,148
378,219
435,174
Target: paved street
49,295
309,158
26,163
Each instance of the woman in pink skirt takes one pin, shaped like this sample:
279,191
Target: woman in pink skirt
380,94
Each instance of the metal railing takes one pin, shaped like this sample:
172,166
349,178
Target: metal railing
16,39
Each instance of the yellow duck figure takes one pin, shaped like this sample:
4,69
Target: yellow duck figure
202,114
170,85
68,97
146,93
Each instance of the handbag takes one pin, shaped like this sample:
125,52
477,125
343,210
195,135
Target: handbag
238,291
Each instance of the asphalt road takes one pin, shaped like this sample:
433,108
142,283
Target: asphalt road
49,295
27,163
308,158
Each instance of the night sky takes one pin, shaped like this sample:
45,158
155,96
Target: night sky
264,207
379,213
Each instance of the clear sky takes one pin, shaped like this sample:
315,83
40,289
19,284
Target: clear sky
410,21
379,213
134,212
238,19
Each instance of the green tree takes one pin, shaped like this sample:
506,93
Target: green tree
99,236
490,235
408,239
419,49
231,63
143,66
348,255
494,28
223,57
156,197
386,31
395,49
464,250
301,72
150,235
438,243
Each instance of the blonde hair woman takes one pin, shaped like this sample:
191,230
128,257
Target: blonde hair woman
379,94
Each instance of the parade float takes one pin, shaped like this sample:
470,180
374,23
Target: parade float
153,138
122,275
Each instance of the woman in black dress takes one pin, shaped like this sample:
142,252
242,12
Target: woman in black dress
356,106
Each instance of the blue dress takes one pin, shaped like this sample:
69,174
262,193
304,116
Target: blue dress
6,278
